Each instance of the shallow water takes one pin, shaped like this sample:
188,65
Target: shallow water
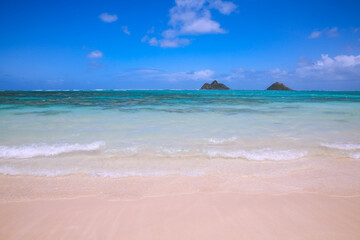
182,132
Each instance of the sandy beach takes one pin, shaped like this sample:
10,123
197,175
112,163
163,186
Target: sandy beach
171,208
185,216
180,165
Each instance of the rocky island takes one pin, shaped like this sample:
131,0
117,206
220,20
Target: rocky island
214,86
279,86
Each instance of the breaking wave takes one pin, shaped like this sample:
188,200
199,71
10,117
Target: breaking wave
5,170
222,140
260,154
355,155
341,146
35,150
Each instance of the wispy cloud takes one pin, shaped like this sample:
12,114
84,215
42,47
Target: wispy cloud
145,70
125,30
278,73
338,72
330,32
152,73
151,30
202,75
168,43
333,32
95,54
191,17
108,18
315,34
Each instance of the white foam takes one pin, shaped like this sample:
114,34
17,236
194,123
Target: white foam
35,150
341,146
173,150
355,155
260,154
38,172
6,170
222,140
146,173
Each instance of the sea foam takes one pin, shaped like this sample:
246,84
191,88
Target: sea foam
355,155
35,150
6,170
341,146
222,140
260,154
147,173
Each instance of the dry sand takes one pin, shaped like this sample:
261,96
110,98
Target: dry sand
222,207
185,216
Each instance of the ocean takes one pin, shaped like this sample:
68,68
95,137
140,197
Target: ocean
176,132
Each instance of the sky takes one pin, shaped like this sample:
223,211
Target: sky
179,44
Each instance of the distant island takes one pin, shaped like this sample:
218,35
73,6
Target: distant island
214,86
279,86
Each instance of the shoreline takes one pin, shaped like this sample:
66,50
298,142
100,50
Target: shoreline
20,187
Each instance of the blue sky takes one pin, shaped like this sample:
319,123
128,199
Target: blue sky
140,44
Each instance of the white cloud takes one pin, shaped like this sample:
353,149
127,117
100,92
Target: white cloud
105,17
191,17
153,42
168,43
223,7
125,30
203,74
330,32
339,67
339,61
202,26
95,54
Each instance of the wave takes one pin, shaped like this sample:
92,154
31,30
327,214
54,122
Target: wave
341,146
222,140
260,154
5,170
35,150
172,150
355,155
147,173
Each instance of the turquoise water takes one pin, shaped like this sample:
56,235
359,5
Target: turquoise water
161,132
